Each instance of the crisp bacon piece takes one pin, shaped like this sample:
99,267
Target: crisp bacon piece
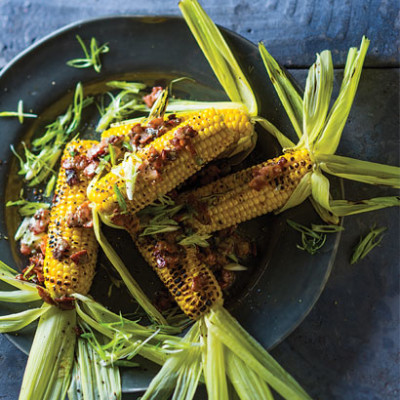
226,279
151,98
40,221
25,249
198,282
80,257
60,249
82,217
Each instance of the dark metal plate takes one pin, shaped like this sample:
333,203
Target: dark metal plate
282,284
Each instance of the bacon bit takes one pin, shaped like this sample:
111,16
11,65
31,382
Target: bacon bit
182,139
60,249
98,150
41,221
44,294
207,256
80,257
25,249
67,163
65,302
155,122
172,121
36,260
262,175
142,135
114,139
226,279
90,170
163,301
198,282
145,138
72,177
200,208
82,217
166,254
43,244
33,274
78,162
151,98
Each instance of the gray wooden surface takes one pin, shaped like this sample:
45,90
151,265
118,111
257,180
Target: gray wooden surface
348,347
293,29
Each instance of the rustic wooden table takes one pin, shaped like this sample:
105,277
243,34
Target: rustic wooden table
348,346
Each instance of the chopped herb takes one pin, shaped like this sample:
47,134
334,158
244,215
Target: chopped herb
367,244
27,272
50,186
313,239
40,160
233,257
195,240
111,150
161,213
327,228
121,105
19,113
133,87
103,163
92,58
128,145
120,198
27,208
235,267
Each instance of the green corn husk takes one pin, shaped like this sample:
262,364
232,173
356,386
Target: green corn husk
181,372
130,283
19,296
247,383
357,170
290,98
48,371
219,55
91,379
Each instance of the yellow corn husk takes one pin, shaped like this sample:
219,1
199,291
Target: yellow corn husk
194,300
217,131
63,278
230,200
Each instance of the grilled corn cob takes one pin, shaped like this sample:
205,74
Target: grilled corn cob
211,133
189,281
71,251
249,193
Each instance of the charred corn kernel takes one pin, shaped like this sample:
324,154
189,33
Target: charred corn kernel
212,138
189,281
249,193
71,251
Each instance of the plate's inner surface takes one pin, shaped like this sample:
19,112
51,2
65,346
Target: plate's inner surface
282,282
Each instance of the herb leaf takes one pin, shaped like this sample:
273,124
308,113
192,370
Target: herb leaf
367,244
120,198
27,208
195,240
313,239
46,150
92,58
19,113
